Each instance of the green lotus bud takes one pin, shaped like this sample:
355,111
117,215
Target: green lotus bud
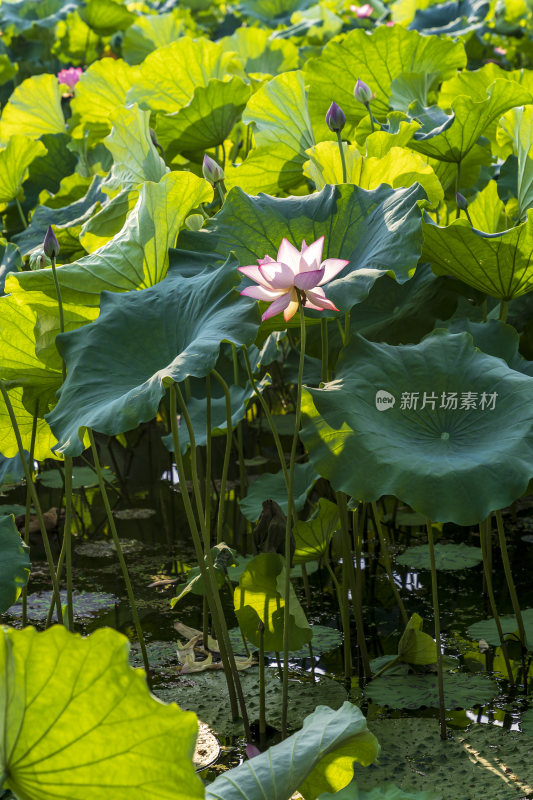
461,201
51,245
335,118
212,171
363,93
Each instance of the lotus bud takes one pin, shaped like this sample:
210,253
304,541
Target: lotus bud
212,171
252,751
461,201
51,245
363,93
335,118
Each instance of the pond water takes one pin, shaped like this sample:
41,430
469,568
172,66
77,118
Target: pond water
150,521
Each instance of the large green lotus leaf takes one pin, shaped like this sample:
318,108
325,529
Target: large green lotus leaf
15,160
399,167
385,791
475,83
34,108
23,15
415,758
86,604
44,439
273,168
415,646
149,338
367,435
312,537
101,227
421,689
46,172
498,264
10,261
495,338
14,562
272,12
136,257
271,486
84,477
135,159
259,52
206,120
75,42
106,17
487,211
361,226
324,639
79,722
447,557
486,629
259,597
151,32
168,76
472,118
460,17
318,758
515,136
100,91
527,722
375,59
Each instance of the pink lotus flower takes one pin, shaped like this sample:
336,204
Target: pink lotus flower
69,76
294,270
362,12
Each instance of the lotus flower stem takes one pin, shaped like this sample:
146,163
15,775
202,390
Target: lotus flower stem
208,450
485,535
343,159
262,696
504,307
21,213
324,338
120,554
213,596
221,193
371,119
227,455
343,608
345,585
67,538
288,527
387,562
510,581
346,328
35,499
436,614
28,509
242,469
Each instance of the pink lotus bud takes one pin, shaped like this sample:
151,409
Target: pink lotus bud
363,93
212,171
252,751
51,245
461,201
335,118
69,76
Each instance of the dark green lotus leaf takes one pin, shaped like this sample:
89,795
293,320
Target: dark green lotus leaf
456,17
15,509
81,476
10,261
272,486
259,52
527,722
272,12
150,338
11,470
376,60
207,119
23,15
416,759
86,604
259,598
106,17
313,536
47,172
150,32
195,581
14,562
447,557
160,654
417,690
495,338
78,722
444,459
134,513
324,640
486,629
498,264
385,791
107,549
362,226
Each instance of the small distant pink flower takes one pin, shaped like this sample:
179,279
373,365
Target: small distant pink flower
390,24
69,76
500,51
294,269
362,12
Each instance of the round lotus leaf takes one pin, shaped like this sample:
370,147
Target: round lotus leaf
203,695
527,722
107,549
160,654
447,557
417,690
81,477
484,761
15,509
86,604
486,629
118,368
324,640
134,513
440,425
385,791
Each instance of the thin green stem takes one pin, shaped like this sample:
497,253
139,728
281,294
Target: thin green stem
67,538
324,339
387,562
510,582
21,213
120,554
343,159
371,119
35,500
60,309
243,479
486,549
207,492
220,192
227,455
28,509
262,695
436,614
288,527
346,328
504,308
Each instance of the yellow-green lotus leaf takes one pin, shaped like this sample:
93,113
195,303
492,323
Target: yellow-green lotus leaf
33,109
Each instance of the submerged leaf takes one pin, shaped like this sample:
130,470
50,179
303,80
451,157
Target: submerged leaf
14,562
